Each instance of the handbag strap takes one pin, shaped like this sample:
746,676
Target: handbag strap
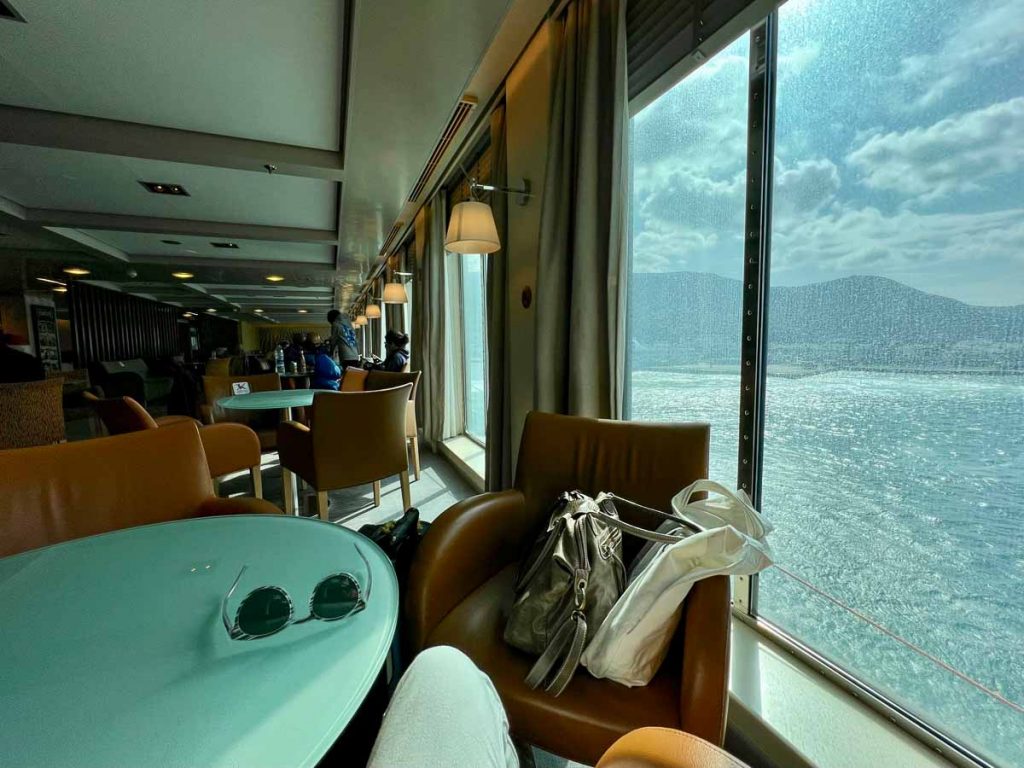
567,644
708,486
635,530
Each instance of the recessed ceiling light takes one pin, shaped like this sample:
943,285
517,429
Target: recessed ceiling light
258,311
303,311
171,242
188,314
48,280
165,188
212,311
60,289
76,271
224,245
182,275
275,278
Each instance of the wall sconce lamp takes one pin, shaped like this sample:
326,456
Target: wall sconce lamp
471,227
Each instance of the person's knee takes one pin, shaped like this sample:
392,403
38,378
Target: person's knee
442,661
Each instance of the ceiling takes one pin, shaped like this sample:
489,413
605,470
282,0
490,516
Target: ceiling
344,101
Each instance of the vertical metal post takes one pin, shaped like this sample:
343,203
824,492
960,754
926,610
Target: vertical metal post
756,258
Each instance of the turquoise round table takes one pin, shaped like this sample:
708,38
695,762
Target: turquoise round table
113,651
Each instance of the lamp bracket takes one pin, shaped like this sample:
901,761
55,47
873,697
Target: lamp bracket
521,195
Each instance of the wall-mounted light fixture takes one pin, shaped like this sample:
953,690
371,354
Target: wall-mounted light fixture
360,321
372,310
471,227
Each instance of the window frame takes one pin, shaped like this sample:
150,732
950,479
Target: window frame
762,77
481,441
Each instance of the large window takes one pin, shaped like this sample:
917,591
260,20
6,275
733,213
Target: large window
689,151
474,346
893,437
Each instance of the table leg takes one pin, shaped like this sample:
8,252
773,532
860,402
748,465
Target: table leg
290,480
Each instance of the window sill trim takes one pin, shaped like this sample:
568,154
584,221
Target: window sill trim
467,456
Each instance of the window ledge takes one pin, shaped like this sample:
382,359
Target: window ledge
468,458
797,717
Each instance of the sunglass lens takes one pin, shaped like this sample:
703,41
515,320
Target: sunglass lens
264,612
335,597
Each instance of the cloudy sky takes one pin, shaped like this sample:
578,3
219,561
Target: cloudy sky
899,151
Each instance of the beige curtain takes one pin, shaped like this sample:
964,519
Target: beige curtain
580,306
428,348
499,436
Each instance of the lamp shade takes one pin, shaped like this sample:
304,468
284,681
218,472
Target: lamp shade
471,229
372,312
360,320
394,293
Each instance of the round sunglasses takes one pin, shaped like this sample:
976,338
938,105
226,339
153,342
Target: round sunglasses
267,610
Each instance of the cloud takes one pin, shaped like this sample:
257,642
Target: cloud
865,239
987,34
805,188
953,155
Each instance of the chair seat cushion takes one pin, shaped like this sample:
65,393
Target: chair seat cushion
589,715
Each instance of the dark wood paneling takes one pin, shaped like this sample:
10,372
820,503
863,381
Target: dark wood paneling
107,325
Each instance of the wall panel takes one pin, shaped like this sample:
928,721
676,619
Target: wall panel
107,325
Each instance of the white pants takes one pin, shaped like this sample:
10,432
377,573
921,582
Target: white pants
445,714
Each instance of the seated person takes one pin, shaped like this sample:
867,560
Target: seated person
397,346
293,352
323,371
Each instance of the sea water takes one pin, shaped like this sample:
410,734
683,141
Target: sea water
902,497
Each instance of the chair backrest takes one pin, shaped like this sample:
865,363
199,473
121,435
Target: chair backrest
646,463
216,387
135,365
218,367
32,413
354,379
54,493
359,437
389,379
122,414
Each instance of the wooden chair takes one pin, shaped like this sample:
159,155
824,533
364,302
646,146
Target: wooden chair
32,413
355,438
359,380
54,493
263,423
229,447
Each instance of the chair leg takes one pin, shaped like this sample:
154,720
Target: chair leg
288,481
376,493
322,504
415,456
257,481
406,496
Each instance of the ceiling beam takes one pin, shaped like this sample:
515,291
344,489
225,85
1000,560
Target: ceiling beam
261,265
60,130
219,229
13,211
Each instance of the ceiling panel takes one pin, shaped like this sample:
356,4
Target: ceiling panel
38,177
260,70
145,244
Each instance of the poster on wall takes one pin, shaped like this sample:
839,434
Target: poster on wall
44,328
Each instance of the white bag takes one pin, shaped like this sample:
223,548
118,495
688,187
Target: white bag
632,641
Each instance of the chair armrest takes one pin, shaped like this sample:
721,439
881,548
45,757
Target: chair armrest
229,447
464,547
665,748
240,505
166,421
704,692
206,411
295,450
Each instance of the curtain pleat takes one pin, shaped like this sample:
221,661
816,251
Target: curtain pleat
428,349
499,388
580,306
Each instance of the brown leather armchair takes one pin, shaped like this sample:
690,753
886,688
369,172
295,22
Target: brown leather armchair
356,438
55,493
263,423
461,584
359,380
229,447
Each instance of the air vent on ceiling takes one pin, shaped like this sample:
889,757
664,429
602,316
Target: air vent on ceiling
390,239
7,12
224,245
162,187
455,122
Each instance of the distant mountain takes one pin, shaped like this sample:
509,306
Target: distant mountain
687,318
